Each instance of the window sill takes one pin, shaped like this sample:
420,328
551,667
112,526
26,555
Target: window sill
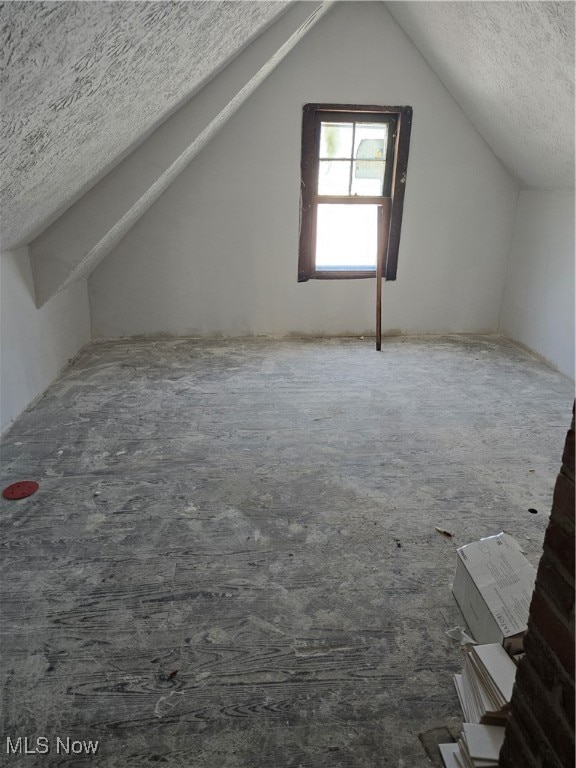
340,274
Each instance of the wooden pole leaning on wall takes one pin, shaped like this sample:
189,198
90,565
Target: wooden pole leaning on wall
383,227
379,298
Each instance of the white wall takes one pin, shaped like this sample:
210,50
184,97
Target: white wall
218,252
538,303
35,344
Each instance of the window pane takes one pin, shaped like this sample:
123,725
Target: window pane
368,178
373,137
347,237
370,145
336,140
334,177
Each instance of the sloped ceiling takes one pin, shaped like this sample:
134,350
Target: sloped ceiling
510,66
84,82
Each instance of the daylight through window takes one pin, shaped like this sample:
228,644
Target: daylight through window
353,175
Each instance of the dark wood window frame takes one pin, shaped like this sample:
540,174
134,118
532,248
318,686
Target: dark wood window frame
390,203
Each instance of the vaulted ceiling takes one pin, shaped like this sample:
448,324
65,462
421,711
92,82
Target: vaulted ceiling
510,66
84,82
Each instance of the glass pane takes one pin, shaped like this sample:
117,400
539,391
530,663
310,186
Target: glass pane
370,154
347,237
368,177
336,140
334,177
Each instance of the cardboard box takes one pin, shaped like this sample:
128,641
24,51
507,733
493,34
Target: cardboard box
493,587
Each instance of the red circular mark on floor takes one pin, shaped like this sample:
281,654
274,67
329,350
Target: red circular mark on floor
20,490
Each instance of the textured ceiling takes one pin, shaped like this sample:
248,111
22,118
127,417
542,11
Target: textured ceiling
510,66
83,82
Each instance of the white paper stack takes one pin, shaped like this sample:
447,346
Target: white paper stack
478,747
485,686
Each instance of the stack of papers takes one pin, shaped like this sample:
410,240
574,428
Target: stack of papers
478,747
485,686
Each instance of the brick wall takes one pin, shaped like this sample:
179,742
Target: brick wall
540,730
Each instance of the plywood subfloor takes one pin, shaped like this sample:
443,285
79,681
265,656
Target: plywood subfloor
232,559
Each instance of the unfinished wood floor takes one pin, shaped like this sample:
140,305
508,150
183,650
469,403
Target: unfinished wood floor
232,559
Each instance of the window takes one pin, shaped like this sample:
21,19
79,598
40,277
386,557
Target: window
354,162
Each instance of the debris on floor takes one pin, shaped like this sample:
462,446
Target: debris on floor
432,739
477,747
444,532
347,643
485,686
493,587
484,690
460,634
